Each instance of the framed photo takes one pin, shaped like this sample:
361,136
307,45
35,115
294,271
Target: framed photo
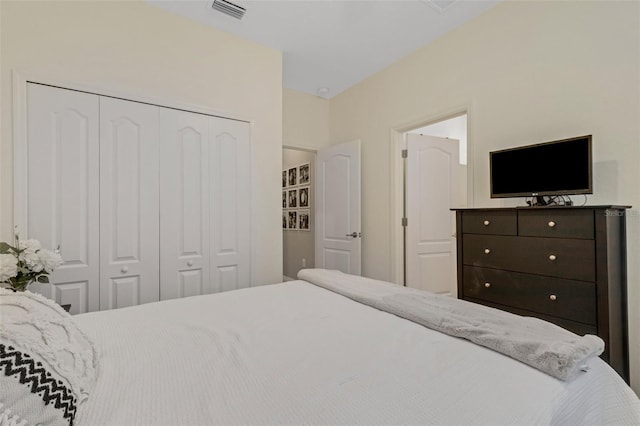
303,197
293,220
303,174
284,178
293,198
285,219
303,220
293,176
284,199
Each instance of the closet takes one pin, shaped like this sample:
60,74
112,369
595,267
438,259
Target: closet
145,202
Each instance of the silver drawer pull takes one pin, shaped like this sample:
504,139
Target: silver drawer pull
551,224
487,251
487,285
553,297
552,257
486,223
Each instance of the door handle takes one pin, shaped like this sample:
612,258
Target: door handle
354,234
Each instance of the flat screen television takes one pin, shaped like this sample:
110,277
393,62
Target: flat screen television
560,167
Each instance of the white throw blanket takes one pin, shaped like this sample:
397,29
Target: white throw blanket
535,342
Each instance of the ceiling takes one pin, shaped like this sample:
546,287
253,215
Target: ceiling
331,45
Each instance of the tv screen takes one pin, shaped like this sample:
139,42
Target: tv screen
553,168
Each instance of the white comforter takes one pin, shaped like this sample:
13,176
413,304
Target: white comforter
294,353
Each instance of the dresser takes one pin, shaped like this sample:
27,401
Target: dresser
566,265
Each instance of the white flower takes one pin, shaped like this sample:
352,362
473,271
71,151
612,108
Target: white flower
8,267
29,244
31,259
49,260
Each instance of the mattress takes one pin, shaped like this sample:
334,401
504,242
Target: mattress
295,353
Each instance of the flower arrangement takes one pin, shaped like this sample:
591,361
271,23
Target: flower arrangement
25,262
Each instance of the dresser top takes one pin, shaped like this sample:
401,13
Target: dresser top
601,207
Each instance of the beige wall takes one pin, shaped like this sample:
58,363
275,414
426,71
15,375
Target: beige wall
305,120
133,48
527,72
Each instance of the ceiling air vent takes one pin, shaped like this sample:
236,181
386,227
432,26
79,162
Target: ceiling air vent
229,8
440,5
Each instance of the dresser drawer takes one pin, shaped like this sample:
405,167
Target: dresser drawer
555,257
556,223
568,299
493,251
495,222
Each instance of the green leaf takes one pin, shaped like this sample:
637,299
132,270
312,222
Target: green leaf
5,248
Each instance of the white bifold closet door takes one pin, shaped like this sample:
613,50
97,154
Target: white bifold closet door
145,202
204,204
129,210
62,190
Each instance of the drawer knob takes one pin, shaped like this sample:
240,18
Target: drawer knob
124,269
552,257
486,223
189,262
487,285
487,251
553,297
551,224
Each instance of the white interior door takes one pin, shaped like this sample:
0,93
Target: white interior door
230,204
432,189
129,218
184,204
205,204
62,190
338,215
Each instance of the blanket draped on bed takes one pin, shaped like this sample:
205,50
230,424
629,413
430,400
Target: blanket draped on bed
535,342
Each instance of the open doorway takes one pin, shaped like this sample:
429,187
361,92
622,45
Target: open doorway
432,176
298,218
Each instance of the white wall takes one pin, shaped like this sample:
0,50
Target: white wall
526,72
131,47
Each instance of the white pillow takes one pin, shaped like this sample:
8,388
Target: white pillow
48,366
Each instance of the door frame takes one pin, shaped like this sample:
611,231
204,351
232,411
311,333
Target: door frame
19,81
396,167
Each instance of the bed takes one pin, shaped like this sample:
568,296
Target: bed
319,350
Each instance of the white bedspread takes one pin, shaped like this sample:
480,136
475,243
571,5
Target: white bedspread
294,353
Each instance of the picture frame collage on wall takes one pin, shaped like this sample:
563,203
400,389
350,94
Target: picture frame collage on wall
296,201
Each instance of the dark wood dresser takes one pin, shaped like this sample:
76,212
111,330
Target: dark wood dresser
566,265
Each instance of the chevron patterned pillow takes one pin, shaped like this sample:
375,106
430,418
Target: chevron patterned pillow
33,394
47,364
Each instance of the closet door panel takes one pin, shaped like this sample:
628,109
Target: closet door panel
230,201
62,190
129,197
184,204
